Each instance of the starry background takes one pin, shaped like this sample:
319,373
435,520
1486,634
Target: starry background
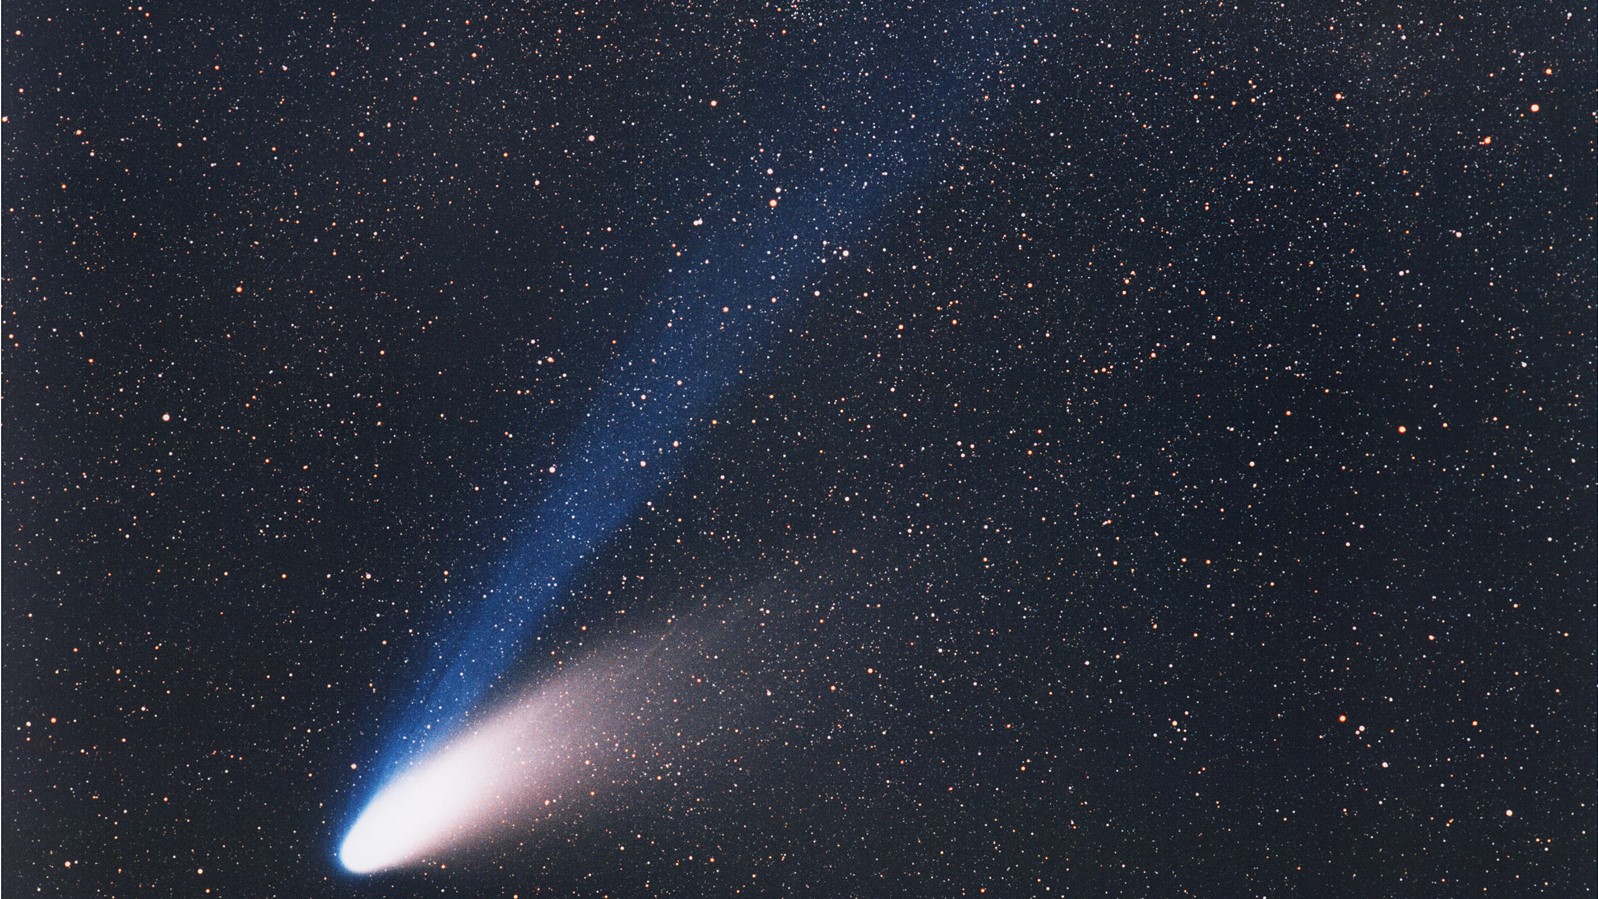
1183,487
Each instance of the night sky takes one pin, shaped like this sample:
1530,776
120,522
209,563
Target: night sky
881,449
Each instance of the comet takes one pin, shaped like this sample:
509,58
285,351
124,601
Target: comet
751,268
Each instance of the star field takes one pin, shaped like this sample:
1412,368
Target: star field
1141,452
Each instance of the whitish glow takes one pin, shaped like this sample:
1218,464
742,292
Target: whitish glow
595,725
422,810
481,781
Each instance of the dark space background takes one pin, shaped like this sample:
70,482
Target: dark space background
1184,488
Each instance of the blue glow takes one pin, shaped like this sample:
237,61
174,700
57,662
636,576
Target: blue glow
749,275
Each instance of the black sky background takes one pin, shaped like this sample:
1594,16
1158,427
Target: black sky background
1185,489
